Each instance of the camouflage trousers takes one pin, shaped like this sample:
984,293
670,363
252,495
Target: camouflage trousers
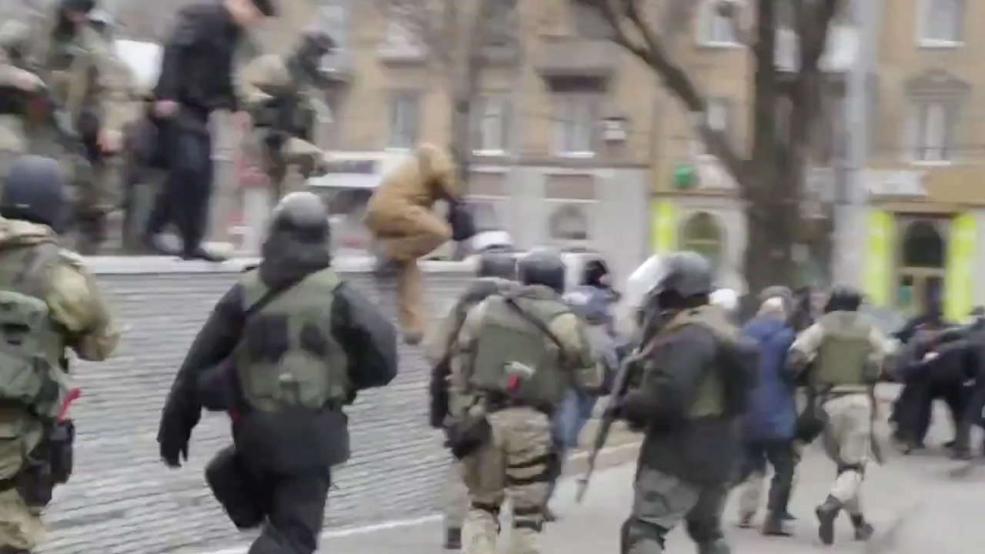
661,501
848,441
517,463
20,524
289,168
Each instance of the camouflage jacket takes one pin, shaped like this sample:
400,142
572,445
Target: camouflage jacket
73,297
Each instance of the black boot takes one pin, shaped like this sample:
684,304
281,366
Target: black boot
775,526
453,538
827,513
863,530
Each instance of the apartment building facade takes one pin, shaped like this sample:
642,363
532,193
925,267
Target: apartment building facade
917,235
561,132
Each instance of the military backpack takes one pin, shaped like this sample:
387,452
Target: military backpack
31,345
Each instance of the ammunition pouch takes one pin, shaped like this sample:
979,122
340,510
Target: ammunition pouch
467,435
50,464
61,441
235,490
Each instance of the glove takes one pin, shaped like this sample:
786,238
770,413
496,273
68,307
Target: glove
173,438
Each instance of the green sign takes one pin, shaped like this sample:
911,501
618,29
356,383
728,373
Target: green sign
685,177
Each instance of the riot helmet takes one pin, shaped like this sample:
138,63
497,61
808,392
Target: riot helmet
497,264
307,59
542,267
78,6
843,299
34,191
684,279
301,215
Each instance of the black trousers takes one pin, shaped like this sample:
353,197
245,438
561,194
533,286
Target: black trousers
914,407
295,508
184,198
780,454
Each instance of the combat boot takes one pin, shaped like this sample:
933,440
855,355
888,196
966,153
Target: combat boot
776,526
453,538
827,513
716,547
863,530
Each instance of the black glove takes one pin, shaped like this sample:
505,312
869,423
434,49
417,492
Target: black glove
173,437
467,436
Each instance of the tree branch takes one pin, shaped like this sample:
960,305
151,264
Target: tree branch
673,76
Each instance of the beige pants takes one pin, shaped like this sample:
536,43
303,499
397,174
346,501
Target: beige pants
20,525
847,440
516,463
408,233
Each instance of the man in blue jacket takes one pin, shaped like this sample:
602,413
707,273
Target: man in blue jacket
770,420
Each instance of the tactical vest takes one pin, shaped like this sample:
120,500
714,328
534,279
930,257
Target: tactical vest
843,357
288,356
32,348
712,397
515,359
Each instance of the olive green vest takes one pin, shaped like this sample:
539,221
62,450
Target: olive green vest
843,357
32,346
710,400
515,358
288,356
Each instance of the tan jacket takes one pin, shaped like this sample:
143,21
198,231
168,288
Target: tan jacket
423,179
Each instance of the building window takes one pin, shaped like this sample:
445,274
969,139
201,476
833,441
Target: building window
404,120
932,128
702,234
574,124
942,22
569,223
491,125
717,27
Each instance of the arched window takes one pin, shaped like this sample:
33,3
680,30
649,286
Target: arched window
923,246
569,222
702,234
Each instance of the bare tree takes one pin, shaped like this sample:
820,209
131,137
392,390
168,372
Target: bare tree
455,33
771,174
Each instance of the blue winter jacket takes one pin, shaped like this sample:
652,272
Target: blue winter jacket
772,413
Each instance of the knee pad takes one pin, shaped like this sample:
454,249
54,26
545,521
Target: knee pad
860,468
492,509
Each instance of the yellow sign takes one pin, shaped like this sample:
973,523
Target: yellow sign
959,281
664,227
879,258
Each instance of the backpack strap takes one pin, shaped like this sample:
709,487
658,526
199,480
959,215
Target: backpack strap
540,325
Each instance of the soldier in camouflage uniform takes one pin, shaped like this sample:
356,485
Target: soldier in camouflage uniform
35,273
281,94
16,83
497,274
89,86
518,353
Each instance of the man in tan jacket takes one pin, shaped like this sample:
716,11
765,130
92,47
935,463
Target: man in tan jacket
400,216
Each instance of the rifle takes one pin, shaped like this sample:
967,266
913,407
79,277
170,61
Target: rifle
619,388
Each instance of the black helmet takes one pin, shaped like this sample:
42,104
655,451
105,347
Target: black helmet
497,264
315,45
81,6
301,215
843,299
685,274
542,267
35,191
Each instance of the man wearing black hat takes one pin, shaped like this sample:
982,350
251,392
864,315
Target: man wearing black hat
197,79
